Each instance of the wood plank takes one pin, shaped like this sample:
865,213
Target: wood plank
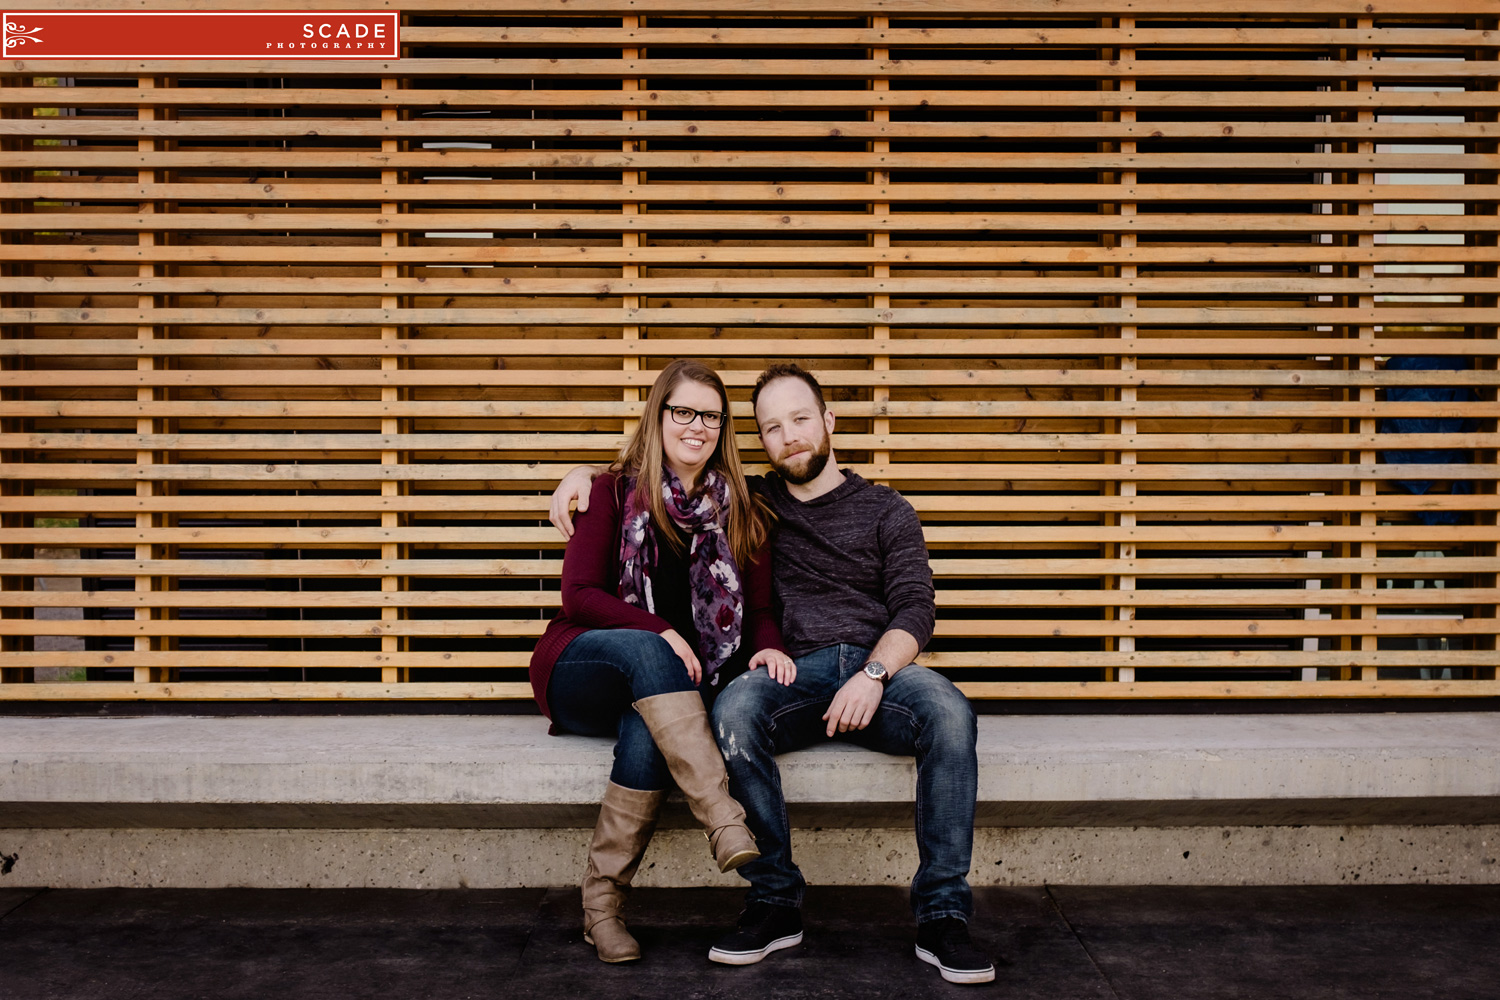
1188,600
1231,689
925,8
531,473
1399,67
729,222
471,691
293,189
284,537
979,288
557,318
509,97
81,127
442,161
543,410
914,441
274,505
268,691
1196,660
1215,567
825,35
532,627
502,253
1032,378
1192,345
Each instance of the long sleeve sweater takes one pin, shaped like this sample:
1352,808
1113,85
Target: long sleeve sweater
850,565
591,593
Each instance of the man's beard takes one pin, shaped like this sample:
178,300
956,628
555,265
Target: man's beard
814,464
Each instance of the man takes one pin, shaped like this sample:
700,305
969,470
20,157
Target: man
855,593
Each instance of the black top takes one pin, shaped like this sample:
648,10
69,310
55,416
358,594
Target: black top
848,565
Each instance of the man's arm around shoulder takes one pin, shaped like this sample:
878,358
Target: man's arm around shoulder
574,488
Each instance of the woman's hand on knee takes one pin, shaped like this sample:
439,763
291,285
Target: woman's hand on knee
686,654
781,667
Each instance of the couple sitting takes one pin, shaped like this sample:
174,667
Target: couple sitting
791,608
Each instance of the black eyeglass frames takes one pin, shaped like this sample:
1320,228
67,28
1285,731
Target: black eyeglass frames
712,419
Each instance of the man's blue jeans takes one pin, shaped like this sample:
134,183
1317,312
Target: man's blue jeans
921,715
594,684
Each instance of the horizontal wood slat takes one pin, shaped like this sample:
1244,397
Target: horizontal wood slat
234,128
1296,567
1421,98
586,68
285,505
1177,322
419,691
1390,597
85,189
497,253
861,8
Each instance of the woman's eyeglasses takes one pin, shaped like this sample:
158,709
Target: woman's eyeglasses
712,419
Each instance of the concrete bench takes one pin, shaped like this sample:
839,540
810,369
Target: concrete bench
493,800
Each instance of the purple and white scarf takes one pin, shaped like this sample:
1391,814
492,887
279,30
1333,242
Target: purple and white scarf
717,595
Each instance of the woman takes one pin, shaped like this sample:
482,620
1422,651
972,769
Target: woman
666,589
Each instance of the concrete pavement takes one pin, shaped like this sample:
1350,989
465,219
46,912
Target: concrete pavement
1057,943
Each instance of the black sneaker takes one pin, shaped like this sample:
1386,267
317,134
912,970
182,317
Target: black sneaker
945,943
762,929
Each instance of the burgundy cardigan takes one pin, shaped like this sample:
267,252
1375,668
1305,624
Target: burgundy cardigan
591,591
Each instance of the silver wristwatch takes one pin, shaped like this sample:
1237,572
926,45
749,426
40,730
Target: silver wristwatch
875,670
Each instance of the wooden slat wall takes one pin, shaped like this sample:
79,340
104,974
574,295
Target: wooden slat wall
294,352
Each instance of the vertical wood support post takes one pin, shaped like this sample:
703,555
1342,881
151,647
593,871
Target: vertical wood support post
1487,331
1349,266
630,239
148,554
1368,551
1123,241
880,239
391,426
9,551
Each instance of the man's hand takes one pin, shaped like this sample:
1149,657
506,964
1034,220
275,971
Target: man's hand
575,486
685,653
782,668
855,704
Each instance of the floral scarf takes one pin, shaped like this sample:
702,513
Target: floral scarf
717,595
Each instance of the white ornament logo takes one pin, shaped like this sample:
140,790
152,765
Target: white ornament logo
17,35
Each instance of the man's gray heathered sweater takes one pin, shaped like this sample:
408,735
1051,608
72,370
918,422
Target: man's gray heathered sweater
848,565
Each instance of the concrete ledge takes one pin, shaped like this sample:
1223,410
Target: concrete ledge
455,801
405,772
486,859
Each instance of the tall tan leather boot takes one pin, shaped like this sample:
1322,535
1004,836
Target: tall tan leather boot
679,725
627,818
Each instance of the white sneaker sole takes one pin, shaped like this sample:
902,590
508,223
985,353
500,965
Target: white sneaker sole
751,957
957,975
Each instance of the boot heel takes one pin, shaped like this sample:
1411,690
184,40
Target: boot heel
732,846
627,818
679,725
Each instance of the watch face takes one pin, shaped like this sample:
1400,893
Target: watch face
876,671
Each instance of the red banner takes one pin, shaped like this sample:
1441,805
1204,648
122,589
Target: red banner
201,35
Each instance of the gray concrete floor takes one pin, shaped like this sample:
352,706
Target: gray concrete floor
1057,943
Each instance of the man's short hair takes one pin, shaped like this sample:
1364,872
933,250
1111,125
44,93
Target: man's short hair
787,369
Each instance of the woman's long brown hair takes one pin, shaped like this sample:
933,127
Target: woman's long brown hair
642,457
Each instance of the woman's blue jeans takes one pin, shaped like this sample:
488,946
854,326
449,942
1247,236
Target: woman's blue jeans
921,715
594,684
